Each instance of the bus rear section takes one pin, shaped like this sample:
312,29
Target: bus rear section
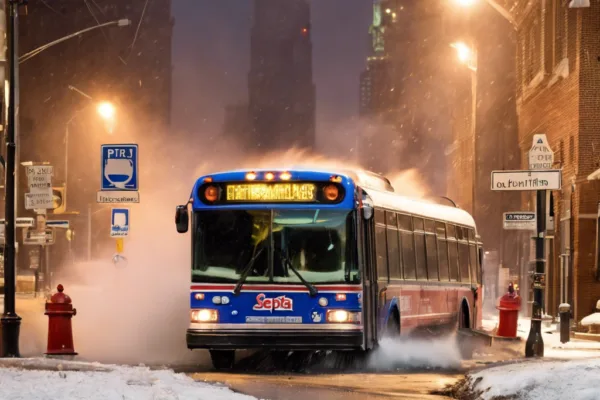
274,265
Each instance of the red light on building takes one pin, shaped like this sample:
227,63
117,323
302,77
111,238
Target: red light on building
304,31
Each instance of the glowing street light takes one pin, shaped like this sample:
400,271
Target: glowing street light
465,3
106,110
465,55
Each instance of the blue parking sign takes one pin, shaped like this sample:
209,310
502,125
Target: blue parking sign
119,169
119,222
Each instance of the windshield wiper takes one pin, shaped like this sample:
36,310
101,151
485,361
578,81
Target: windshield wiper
311,289
245,272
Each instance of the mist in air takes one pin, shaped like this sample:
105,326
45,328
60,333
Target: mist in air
138,310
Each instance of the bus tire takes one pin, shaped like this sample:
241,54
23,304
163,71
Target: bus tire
222,359
392,328
464,342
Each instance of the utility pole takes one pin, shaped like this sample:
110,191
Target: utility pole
11,322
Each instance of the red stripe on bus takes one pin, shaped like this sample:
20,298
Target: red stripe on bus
282,288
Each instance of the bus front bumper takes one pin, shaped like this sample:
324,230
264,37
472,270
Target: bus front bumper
284,339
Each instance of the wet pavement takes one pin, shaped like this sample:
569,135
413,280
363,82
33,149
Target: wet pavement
400,385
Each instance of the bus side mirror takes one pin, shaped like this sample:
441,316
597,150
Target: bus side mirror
367,211
181,219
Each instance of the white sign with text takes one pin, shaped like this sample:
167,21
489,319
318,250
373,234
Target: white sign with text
526,180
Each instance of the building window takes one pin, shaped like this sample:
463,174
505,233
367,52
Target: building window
572,149
560,31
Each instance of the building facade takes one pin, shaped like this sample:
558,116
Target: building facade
282,95
129,66
558,93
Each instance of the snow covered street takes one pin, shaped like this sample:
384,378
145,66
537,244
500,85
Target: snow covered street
42,379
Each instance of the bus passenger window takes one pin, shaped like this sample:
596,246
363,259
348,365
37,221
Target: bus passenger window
421,256
463,258
473,262
408,254
379,216
442,247
405,222
429,226
390,218
393,253
432,257
452,252
418,224
381,251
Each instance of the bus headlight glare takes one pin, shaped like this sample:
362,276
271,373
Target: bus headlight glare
343,316
204,315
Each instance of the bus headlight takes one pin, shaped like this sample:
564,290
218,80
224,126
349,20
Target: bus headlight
204,315
343,316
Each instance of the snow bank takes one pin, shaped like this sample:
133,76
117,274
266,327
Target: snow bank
592,319
540,380
132,383
412,353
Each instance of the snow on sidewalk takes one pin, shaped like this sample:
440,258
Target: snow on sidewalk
41,379
553,348
540,380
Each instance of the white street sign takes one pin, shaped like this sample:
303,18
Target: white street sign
114,197
541,156
519,220
119,222
21,222
31,237
526,180
61,224
37,170
39,200
40,183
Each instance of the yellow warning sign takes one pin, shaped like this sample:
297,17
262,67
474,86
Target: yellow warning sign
119,245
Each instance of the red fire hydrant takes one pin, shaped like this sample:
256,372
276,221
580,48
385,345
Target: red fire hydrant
509,306
60,333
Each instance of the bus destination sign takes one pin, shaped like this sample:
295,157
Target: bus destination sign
277,192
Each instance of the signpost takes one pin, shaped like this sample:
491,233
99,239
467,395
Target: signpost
540,177
119,180
119,225
39,178
519,220
35,238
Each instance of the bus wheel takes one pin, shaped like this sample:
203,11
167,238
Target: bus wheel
463,339
392,329
222,359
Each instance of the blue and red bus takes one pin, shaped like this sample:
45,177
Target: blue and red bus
307,260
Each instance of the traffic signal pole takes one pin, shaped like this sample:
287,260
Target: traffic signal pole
10,321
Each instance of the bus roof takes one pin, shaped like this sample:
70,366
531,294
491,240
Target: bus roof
395,202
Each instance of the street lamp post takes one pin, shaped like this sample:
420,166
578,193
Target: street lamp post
34,52
468,56
11,322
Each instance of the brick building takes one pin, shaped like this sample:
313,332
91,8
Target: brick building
558,93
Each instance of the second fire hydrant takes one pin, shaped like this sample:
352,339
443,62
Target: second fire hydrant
509,306
60,333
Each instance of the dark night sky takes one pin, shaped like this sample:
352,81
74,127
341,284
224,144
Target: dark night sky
211,52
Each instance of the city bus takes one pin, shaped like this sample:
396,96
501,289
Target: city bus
312,260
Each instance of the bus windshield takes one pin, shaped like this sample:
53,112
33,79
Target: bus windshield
319,244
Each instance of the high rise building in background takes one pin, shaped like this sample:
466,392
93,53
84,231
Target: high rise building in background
128,66
404,92
281,91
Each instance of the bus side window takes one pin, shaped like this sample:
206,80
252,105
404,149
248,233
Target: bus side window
431,250
463,254
473,257
452,251
381,246
408,246
420,248
442,245
392,246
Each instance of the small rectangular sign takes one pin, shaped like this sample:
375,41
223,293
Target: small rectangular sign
526,180
116,197
273,320
119,225
41,200
31,237
64,224
519,220
278,192
38,170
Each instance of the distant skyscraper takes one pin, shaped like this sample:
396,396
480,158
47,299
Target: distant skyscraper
280,82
